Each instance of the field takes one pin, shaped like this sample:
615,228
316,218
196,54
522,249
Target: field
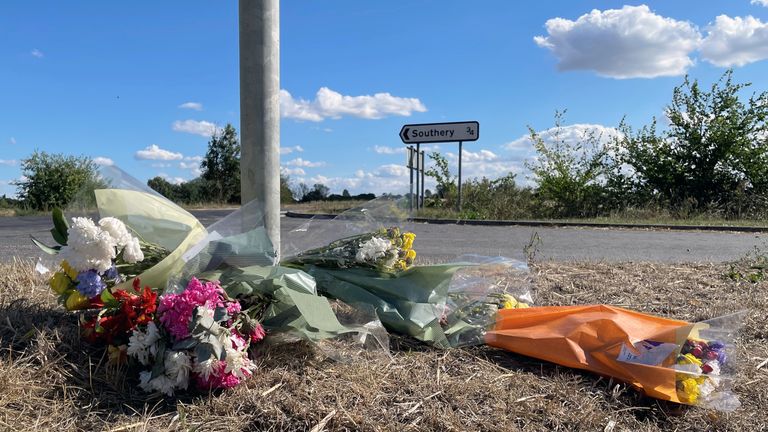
51,380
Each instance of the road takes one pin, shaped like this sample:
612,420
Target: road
439,243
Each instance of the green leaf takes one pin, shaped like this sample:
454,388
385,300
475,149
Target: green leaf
60,226
203,352
57,236
220,314
159,366
47,249
185,344
108,299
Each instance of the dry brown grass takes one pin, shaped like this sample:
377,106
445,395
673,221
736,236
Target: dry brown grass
324,207
49,379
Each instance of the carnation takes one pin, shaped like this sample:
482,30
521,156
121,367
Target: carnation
176,310
373,249
116,228
132,252
88,246
143,344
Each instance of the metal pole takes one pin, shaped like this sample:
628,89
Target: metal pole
418,166
422,178
410,170
260,109
460,151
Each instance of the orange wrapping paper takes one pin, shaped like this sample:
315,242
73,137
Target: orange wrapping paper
591,338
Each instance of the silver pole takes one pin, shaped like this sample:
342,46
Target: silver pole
460,151
260,109
423,155
418,167
410,170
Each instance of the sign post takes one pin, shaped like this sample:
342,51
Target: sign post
436,133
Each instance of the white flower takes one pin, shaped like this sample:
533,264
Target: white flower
177,366
237,359
373,249
132,252
206,368
88,246
161,383
116,228
142,345
715,365
706,388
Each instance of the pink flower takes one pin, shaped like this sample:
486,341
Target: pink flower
218,379
257,334
233,308
175,310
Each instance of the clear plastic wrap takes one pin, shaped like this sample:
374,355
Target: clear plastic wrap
238,253
137,233
367,257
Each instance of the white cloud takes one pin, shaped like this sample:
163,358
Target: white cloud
292,171
196,106
289,150
389,150
631,42
103,161
9,162
160,165
193,166
735,41
154,152
202,127
174,180
36,53
331,104
299,162
12,141
568,133
760,2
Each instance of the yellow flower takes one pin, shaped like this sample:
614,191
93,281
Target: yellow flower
401,265
60,283
76,301
408,240
411,254
689,359
510,302
521,305
688,390
72,273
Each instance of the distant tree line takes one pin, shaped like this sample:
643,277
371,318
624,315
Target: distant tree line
711,159
54,180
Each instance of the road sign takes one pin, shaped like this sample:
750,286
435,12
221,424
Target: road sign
440,132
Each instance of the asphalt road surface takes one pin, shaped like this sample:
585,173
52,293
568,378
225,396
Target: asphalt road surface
439,243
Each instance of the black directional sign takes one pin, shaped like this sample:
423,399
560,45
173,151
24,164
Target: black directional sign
440,132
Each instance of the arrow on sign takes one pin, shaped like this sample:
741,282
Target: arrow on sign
404,134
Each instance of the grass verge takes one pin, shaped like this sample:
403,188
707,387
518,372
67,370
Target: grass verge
51,380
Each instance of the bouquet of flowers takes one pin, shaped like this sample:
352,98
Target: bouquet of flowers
672,360
444,305
200,335
95,256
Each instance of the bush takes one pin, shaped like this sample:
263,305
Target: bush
52,179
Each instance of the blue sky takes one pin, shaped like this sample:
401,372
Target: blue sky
140,84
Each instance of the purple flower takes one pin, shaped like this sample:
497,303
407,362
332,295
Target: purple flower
89,283
111,273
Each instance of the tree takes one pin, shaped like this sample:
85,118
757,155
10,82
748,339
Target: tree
345,194
286,195
319,192
221,165
568,173
163,187
714,151
446,183
53,179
